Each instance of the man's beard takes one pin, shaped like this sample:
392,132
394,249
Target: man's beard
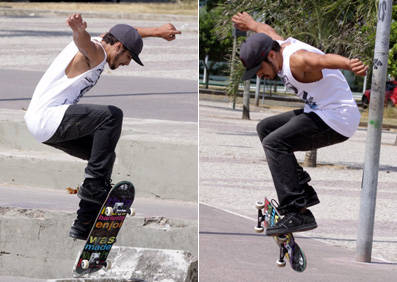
274,70
113,66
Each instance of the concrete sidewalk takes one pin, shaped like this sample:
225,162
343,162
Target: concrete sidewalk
234,175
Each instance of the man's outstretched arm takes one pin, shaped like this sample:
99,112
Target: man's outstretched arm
308,62
166,31
82,39
244,21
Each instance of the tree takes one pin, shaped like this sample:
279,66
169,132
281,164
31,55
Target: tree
392,64
342,26
210,46
310,158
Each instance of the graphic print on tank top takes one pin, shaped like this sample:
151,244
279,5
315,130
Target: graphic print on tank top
309,100
89,82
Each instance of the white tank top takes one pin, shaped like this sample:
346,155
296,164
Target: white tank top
330,97
55,92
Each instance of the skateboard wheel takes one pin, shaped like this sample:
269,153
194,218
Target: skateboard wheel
85,264
280,263
260,205
108,265
259,229
131,212
108,211
282,239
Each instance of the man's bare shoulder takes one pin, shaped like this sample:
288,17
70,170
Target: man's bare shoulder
96,54
298,58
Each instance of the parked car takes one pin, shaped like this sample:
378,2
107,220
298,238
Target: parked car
390,94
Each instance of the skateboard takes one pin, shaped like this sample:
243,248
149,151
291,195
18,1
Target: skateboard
268,214
104,231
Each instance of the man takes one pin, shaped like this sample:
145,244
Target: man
330,114
89,132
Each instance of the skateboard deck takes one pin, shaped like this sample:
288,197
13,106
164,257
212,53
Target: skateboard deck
104,231
268,214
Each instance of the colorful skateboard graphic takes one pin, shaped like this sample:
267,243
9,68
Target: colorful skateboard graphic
104,232
268,214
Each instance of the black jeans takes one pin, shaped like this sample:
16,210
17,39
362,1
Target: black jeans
90,132
282,135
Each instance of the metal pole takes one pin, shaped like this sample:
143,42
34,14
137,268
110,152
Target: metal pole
257,88
365,84
246,99
235,90
205,69
372,148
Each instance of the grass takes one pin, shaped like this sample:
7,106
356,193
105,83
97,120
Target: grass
182,8
389,116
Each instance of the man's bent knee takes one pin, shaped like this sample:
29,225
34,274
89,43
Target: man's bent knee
262,129
116,113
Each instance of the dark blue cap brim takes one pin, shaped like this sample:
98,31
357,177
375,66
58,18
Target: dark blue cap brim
251,72
136,59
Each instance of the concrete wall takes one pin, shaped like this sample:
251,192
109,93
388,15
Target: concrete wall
159,157
33,243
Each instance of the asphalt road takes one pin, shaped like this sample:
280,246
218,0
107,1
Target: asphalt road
165,88
138,97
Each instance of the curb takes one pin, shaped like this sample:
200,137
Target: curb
290,99
268,97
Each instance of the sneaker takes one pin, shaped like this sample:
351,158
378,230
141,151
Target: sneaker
293,222
94,190
81,230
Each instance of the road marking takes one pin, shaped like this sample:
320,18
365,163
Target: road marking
228,211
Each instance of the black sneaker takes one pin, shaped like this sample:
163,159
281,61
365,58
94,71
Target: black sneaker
81,230
293,222
94,190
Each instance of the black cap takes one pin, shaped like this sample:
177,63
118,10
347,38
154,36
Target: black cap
130,38
253,51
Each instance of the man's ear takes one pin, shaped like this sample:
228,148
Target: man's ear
271,56
119,46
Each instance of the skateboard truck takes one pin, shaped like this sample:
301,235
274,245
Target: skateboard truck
280,240
95,262
261,217
281,262
119,208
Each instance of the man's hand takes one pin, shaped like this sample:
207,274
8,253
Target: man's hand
243,21
168,32
76,23
82,39
358,67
